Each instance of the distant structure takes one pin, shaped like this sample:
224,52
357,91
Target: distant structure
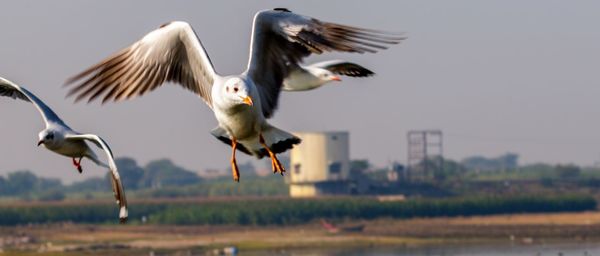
396,172
320,165
425,153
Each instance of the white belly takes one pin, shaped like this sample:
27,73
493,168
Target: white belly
241,125
71,149
300,81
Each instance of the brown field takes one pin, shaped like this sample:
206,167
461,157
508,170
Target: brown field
68,239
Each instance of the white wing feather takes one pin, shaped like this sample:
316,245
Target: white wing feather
116,178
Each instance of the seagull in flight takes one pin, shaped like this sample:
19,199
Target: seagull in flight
241,103
58,137
304,78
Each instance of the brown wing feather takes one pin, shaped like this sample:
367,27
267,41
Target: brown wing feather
172,53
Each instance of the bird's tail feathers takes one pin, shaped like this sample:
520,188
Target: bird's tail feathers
278,140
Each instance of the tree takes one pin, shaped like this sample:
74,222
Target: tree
24,183
508,161
163,172
3,186
44,184
453,168
567,171
359,165
21,182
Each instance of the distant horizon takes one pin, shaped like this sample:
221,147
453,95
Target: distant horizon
263,166
495,77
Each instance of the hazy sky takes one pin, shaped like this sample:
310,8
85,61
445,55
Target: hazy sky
495,76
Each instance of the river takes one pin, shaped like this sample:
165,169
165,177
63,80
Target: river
579,249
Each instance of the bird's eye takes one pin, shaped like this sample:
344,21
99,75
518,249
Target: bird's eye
235,89
227,88
50,136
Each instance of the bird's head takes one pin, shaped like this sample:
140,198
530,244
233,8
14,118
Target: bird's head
48,138
324,75
237,92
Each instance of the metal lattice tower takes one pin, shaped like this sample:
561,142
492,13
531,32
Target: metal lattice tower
424,148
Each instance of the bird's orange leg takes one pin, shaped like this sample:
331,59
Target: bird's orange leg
77,164
277,166
234,168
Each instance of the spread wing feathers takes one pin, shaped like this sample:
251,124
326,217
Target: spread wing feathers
345,68
118,190
281,39
12,90
171,53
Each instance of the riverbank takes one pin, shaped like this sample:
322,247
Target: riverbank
69,239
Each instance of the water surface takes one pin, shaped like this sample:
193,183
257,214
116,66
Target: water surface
579,249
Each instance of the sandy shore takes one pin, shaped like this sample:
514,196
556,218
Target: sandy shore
68,239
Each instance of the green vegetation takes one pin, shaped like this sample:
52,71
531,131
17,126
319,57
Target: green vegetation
161,178
540,172
502,168
251,185
157,174
282,211
494,176
25,185
449,188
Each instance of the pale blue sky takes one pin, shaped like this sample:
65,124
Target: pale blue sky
495,76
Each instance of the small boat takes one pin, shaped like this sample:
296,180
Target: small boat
347,229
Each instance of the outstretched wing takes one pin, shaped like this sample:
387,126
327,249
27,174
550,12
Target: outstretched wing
12,90
342,67
116,179
171,53
281,39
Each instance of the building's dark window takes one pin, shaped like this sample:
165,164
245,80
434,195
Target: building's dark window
335,168
297,168
334,137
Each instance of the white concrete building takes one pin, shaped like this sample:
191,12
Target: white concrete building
320,164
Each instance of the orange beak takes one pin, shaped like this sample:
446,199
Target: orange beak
336,78
248,100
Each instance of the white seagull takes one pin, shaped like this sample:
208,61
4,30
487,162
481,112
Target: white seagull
61,139
303,78
241,103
